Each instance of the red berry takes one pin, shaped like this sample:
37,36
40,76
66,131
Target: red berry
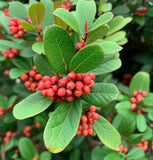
27,83
85,126
90,131
38,77
35,158
133,106
144,93
79,76
86,80
95,116
133,100
139,98
92,84
15,51
69,92
38,39
69,98
91,75
32,73
46,78
50,92
79,85
78,133
78,46
77,93
41,85
54,79
84,119
48,84
38,125
71,76
40,28
92,108
80,127
55,87
70,85
62,82
44,92
85,132
135,93
14,30
33,85
61,92
24,77
8,134
86,89
20,33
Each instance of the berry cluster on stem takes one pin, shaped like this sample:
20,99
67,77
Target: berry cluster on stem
143,145
142,11
31,79
87,120
16,28
66,88
10,53
137,98
123,149
8,136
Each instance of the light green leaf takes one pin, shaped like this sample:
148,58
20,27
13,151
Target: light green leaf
106,7
38,47
29,27
141,122
148,100
45,155
135,153
16,72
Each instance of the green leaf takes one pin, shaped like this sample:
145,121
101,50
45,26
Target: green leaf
62,126
29,27
135,138
27,148
135,153
27,53
139,20
120,10
106,7
140,81
85,11
31,106
150,115
68,18
107,134
116,36
147,134
148,100
87,59
115,156
102,20
118,23
43,65
49,18
37,13
5,22
17,9
75,154
141,122
109,47
97,34
45,155
101,94
59,48
38,47
110,64
16,72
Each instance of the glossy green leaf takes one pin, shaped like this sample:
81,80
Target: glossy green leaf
141,122
109,47
101,94
62,126
17,9
59,48
68,18
135,153
116,36
37,13
43,65
45,155
140,81
107,134
110,64
38,47
49,18
148,100
97,34
102,20
27,148
87,59
29,27
31,106
85,11
16,72
117,23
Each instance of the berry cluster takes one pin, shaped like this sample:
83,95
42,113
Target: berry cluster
31,79
66,6
1,111
6,12
16,28
8,136
80,45
85,127
27,129
123,149
142,11
138,98
66,88
11,53
143,145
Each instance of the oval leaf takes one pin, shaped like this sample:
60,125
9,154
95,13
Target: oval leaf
141,123
148,100
87,59
62,126
101,94
38,47
37,13
29,27
107,133
31,106
59,48
16,72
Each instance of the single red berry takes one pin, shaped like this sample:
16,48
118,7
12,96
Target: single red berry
20,34
61,92
91,75
15,51
78,133
89,115
86,80
44,92
95,116
8,134
86,89
133,106
80,127
71,76
79,85
77,93
69,92
46,78
91,121
62,82
48,84
90,131
32,73
139,98
133,100
40,28
38,77
144,93
27,83
14,30
70,85
55,87
41,85
92,84
24,77
33,85
79,76
35,158
85,132
38,125
92,108
50,92
135,93
70,98
84,119
54,79
11,55
38,39
85,126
